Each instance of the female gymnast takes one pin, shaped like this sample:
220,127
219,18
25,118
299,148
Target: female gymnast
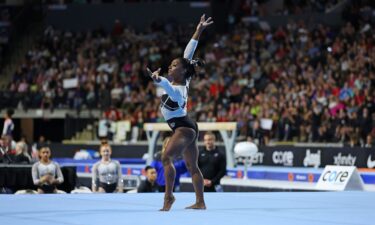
185,131
46,173
106,174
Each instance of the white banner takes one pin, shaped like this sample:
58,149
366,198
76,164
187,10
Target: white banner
121,128
266,124
70,83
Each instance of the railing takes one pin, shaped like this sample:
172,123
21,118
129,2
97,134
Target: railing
153,130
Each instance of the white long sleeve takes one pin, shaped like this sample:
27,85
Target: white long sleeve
175,93
8,127
190,49
173,102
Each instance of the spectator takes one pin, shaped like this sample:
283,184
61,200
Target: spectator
369,142
104,128
46,173
41,142
149,184
37,146
9,145
22,155
6,152
8,126
365,124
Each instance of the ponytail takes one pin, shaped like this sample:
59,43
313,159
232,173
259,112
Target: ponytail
190,66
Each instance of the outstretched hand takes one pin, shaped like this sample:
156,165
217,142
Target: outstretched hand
203,23
154,75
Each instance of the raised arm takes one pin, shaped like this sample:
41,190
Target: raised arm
192,45
173,93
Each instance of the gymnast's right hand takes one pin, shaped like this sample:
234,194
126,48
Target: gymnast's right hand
154,75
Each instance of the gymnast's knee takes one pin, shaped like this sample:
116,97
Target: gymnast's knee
192,168
166,159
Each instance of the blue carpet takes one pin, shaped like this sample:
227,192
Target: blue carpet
285,208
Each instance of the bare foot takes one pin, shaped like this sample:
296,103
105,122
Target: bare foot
198,205
168,202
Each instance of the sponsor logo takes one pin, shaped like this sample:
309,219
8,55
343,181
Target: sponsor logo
283,157
342,160
333,176
301,177
312,159
232,174
173,124
136,172
257,158
340,178
370,163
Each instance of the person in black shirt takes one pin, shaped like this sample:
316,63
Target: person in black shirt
212,163
149,185
22,156
365,124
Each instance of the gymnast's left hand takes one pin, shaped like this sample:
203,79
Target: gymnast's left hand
154,75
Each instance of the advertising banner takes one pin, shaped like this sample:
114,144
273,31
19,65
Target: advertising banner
316,157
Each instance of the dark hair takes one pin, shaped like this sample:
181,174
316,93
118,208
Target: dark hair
190,65
157,156
148,168
10,112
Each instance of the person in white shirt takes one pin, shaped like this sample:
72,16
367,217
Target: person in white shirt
185,131
8,123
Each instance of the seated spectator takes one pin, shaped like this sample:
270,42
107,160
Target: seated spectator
149,185
46,173
369,142
7,149
179,165
22,156
106,174
38,145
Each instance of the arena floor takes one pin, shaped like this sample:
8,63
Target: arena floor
318,208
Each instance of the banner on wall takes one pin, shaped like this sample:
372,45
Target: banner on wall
317,157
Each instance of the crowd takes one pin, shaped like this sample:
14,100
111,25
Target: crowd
314,82
6,17
303,6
